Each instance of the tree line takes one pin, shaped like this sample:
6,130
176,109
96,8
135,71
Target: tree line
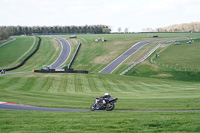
186,27
5,33
29,30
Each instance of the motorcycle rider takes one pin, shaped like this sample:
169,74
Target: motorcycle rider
104,103
105,98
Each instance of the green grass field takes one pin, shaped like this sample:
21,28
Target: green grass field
80,90
90,122
48,52
94,56
3,41
146,87
12,53
177,62
183,57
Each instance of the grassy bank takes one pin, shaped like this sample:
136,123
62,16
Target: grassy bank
48,52
12,53
146,87
94,56
79,91
176,62
45,122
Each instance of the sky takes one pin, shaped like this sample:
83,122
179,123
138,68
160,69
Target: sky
132,14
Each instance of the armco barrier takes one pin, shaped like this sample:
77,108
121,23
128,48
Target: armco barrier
71,62
61,71
23,62
144,58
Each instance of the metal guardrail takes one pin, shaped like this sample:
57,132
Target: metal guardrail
142,59
146,56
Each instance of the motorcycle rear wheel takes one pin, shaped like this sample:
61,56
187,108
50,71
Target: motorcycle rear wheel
110,106
92,107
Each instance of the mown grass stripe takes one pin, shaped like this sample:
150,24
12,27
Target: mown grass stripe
70,83
106,84
55,85
5,80
92,85
114,86
125,86
26,84
13,84
78,84
47,84
85,84
99,85
63,85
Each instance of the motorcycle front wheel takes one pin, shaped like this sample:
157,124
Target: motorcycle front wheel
92,107
110,106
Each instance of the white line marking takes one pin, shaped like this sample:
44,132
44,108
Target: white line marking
26,51
127,58
117,57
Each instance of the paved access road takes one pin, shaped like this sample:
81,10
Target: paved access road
66,49
113,65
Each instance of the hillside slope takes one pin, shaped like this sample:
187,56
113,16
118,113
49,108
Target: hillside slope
179,62
186,27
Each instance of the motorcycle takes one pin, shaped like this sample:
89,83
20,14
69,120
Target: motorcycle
103,104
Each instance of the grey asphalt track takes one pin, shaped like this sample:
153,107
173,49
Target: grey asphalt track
22,107
113,65
7,42
12,73
32,108
66,49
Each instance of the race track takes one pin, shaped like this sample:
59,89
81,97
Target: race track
109,69
7,42
113,65
119,60
66,49
12,106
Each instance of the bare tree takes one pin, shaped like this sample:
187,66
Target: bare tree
4,33
126,30
119,29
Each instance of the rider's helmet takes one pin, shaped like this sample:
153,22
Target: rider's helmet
106,94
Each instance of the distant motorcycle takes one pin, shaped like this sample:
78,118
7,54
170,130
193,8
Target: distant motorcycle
103,104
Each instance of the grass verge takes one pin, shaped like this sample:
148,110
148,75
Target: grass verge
80,90
33,121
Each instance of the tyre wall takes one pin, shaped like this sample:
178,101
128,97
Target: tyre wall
25,60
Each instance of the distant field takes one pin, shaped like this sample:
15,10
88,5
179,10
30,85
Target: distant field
94,56
179,62
11,53
183,57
